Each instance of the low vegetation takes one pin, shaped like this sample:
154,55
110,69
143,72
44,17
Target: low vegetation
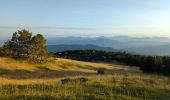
80,80
101,71
25,81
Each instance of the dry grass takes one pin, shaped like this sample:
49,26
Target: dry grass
56,68
25,81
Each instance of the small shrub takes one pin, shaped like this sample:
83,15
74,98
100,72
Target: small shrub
83,79
101,71
68,80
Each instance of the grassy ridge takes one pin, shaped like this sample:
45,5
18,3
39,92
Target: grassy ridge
22,80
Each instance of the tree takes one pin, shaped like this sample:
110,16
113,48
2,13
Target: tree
24,40
6,49
24,35
22,44
38,46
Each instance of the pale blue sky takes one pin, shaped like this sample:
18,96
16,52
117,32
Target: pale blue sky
86,17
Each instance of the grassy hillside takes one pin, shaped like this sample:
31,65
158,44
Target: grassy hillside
55,68
70,80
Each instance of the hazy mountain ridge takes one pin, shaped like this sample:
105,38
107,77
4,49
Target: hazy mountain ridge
140,45
63,47
117,42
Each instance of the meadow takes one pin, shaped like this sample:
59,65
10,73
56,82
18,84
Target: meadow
65,79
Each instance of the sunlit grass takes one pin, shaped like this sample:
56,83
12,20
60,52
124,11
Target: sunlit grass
23,80
97,87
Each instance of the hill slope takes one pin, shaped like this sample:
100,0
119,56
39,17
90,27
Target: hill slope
56,68
63,79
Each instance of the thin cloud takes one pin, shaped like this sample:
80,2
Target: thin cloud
46,27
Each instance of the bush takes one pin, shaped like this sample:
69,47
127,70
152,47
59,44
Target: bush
83,79
68,80
101,71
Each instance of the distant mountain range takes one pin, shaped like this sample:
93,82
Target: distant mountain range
138,45
143,45
58,48
117,42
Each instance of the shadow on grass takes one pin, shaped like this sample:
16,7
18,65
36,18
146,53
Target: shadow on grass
42,72
45,72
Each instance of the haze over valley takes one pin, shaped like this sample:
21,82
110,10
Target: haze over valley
138,45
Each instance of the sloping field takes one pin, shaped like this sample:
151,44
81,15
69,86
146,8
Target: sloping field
63,79
57,68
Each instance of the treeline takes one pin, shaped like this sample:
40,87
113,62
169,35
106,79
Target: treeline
148,64
24,45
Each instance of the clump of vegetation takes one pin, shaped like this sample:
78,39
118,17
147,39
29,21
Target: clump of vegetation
24,45
69,80
101,71
82,79
66,80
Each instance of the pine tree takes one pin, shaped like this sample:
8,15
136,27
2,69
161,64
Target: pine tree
38,46
22,44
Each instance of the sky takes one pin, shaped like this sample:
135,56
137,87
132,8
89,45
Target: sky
54,18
